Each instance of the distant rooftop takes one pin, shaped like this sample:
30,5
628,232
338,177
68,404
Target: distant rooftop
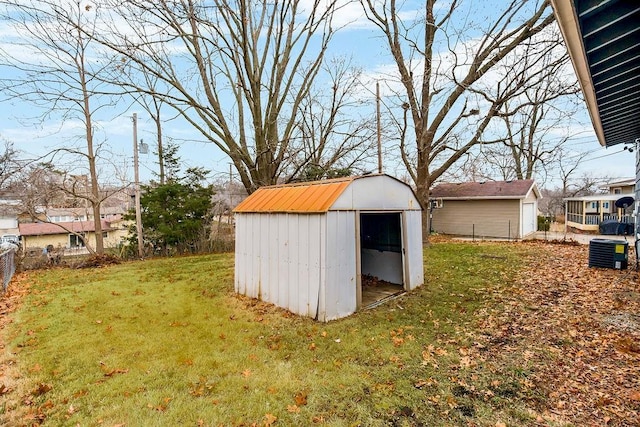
46,228
516,189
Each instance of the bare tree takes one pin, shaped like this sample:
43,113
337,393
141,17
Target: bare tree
450,85
51,63
335,132
570,183
237,71
536,125
43,187
8,164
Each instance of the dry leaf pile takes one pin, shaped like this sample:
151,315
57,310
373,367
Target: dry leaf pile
9,302
576,331
373,281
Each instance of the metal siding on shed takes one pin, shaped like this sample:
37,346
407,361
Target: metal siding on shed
322,270
413,249
308,282
340,284
275,258
379,192
294,243
278,259
282,298
263,258
239,254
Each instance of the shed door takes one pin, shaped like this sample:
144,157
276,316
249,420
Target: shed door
528,218
381,246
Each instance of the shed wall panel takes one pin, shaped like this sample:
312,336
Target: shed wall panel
413,249
282,298
322,271
340,285
242,229
492,218
274,259
263,261
383,265
278,259
377,193
309,261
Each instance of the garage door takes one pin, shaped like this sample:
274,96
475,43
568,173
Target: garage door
528,218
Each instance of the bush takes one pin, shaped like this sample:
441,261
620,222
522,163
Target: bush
544,223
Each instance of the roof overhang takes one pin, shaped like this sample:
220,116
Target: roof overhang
597,197
603,40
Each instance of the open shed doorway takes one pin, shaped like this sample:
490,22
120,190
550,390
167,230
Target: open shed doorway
381,257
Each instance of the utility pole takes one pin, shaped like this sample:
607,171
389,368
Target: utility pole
379,127
229,190
137,187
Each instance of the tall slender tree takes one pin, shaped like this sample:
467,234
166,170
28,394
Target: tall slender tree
50,62
452,81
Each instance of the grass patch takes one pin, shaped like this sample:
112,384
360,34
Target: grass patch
167,342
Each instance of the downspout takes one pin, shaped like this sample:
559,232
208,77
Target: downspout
637,201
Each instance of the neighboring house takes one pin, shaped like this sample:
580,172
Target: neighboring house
586,213
491,209
83,214
38,235
625,186
67,214
8,221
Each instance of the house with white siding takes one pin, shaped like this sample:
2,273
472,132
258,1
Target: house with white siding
488,209
328,248
586,213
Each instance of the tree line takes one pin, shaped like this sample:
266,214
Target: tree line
472,93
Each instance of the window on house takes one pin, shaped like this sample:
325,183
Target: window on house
594,205
75,241
617,191
105,234
605,205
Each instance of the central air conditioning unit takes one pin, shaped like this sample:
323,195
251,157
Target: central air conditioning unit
607,253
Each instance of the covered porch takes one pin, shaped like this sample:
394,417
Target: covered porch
588,212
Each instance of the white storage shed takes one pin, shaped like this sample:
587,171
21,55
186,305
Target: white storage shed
325,249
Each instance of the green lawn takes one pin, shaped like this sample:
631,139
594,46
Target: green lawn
167,342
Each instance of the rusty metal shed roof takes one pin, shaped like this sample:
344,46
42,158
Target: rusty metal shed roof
309,197
380,192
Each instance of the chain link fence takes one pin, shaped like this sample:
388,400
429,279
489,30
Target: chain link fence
7,267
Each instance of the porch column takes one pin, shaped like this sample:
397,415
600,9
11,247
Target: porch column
601,210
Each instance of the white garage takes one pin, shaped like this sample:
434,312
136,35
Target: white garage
313,248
